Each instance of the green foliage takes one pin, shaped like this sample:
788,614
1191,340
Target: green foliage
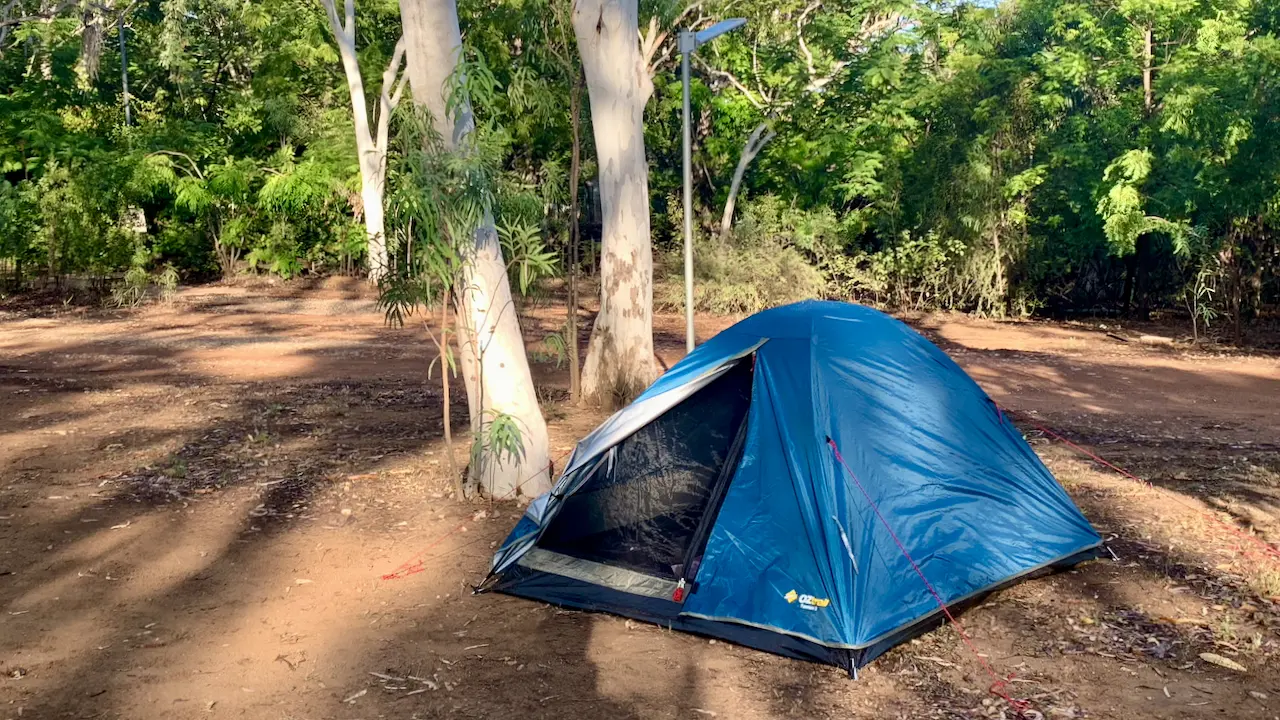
217,107
770,260
741,278
498,440
1000,159
133,288
922,273
527,258
554,349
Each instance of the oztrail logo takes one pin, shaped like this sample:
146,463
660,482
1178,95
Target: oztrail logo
807,602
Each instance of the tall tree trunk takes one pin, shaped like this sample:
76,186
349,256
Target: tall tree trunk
1001,289
1148,53
755,143
1142,249
494,364
443,346
372,186
575,236
1130,273
124,73
619,361
370,147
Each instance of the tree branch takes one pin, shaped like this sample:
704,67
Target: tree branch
174,153
871,28
389,98
815,83
335,24
655,38
43,15
755,70
399,92
755,143
804,48
731,79
648,41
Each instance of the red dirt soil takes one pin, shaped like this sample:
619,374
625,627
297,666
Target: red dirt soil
198,499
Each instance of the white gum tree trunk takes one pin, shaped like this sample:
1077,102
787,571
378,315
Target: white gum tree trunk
371,138
620,360
494,364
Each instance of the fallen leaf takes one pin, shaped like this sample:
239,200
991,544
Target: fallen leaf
1220,661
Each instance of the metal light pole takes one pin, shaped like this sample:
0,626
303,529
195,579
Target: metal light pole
689,42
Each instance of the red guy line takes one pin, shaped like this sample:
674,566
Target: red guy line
998,687
1267,548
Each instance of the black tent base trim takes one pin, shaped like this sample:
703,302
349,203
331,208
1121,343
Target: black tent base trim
568,592
935,619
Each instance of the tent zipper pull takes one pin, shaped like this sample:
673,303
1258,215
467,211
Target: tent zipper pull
679,593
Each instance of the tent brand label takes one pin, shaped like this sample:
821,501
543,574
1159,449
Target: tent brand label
807,602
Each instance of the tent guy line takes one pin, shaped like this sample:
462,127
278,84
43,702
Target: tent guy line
1000,684
1269,551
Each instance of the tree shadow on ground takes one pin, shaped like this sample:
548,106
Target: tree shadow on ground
220,597
117,561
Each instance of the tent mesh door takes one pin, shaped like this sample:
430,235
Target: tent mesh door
641,507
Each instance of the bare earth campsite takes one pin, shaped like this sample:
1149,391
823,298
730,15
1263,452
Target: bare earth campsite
236,505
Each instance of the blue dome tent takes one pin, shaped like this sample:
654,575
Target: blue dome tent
739,496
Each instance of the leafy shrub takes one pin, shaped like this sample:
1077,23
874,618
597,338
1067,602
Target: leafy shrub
277,252
131,291
779,254
739,278
919,273
79,223
772,258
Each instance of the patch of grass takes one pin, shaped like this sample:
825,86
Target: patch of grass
258,437
177,468
1224,629
1266,583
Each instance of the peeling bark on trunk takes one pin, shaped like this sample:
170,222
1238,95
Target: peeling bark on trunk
494,364
620,361
755,143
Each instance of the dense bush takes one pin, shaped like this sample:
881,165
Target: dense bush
1001,159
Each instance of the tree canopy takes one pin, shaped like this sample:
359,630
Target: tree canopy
1029,156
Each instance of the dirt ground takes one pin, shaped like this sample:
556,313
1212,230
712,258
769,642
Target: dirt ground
198,501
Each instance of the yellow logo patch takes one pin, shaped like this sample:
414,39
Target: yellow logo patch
807,602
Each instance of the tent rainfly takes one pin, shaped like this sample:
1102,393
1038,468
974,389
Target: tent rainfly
738,496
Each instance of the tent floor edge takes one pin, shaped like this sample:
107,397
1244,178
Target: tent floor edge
863,656
578,595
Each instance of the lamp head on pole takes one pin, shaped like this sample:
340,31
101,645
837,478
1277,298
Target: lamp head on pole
690,41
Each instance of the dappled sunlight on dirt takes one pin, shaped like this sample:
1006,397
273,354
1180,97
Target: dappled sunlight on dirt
198,501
